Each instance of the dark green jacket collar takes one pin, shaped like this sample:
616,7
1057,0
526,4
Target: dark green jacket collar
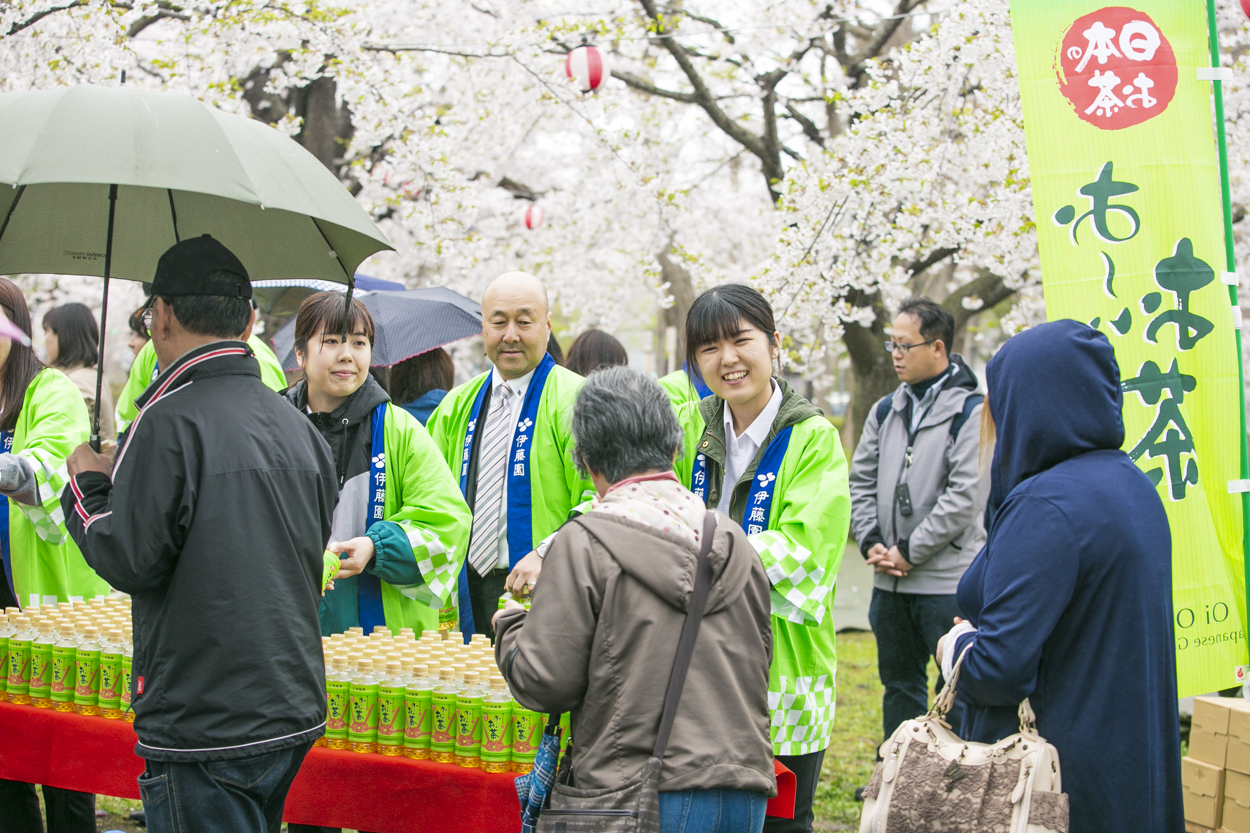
794,409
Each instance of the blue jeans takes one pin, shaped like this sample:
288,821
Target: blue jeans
908,627
712,811
246,794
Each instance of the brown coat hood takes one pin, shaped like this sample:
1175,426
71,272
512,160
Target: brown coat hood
600,640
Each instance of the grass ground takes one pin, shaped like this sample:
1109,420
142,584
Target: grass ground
852,751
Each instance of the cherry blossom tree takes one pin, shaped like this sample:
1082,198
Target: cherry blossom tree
840,158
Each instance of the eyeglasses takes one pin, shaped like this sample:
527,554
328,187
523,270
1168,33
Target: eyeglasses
891,346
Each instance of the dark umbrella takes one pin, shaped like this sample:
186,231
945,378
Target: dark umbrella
534,788
407,324
283,297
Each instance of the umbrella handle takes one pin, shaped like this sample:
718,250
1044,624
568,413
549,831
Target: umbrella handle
104,317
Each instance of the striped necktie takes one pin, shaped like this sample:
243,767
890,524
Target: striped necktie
491,470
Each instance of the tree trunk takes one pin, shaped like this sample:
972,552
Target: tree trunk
322,125
682,290
873,372
874,368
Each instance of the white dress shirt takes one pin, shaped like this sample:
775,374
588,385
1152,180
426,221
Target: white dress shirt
740,449
519,386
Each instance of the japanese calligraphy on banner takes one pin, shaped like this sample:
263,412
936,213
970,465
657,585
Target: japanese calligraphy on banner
1126,191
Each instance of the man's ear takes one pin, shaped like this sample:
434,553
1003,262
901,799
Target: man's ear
251,322
162,315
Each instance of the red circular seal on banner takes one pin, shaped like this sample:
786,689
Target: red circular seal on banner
1116,68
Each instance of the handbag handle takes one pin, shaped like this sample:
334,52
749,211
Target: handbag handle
689,632
946,699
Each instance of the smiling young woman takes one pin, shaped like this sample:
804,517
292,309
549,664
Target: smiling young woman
762,454
400,520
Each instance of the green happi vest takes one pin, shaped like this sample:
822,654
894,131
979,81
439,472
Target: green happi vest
143,369
801,549
420,562
47,566
555,485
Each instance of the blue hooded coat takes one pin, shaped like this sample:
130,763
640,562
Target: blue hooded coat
1072,594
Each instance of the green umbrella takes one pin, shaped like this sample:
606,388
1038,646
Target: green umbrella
101,181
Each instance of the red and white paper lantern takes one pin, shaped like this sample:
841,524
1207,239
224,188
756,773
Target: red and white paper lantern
588,65
533,216
1245,7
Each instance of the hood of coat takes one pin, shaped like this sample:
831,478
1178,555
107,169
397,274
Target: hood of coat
950,399
1054,393
665,564
347,427
961,375
354,410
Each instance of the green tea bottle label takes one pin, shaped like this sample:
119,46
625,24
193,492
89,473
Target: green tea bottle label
469,726
528,731
126,663
4,664
447,619
19,667
390,715
443,705
496,732
63,674
110,679
87,667
41,670
566,723
338,697
418,718
364,713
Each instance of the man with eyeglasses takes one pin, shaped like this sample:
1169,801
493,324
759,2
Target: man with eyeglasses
145,368
917,503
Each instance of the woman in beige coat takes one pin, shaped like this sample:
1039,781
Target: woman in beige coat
72,341
601,636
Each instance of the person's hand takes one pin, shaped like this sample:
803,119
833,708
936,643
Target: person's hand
876,552
511,604
354,555
891,563
524,575
84,458
941,646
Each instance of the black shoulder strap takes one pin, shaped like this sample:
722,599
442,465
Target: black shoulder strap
883,408
689,632
970,403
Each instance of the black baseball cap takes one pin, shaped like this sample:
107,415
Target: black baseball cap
194,267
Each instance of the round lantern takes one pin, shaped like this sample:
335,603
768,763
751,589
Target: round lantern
1245,7
533,216
589,66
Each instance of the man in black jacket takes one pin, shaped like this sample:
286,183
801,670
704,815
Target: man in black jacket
214,519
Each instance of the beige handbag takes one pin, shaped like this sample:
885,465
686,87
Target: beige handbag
930,781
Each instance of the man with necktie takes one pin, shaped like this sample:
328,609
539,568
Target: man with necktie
506,436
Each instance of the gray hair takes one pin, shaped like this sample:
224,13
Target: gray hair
623,425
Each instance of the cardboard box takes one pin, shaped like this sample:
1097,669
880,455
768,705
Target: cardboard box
1204,792
1237,756
1208,747
1211,714
1238,718
1236,803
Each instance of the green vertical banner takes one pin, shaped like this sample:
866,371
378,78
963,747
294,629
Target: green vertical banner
1130,225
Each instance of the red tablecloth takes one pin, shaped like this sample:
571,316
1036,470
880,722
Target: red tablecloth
334,788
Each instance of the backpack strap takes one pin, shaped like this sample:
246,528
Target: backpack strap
970,403
883,408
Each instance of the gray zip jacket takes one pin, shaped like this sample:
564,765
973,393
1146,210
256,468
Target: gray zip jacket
948,489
